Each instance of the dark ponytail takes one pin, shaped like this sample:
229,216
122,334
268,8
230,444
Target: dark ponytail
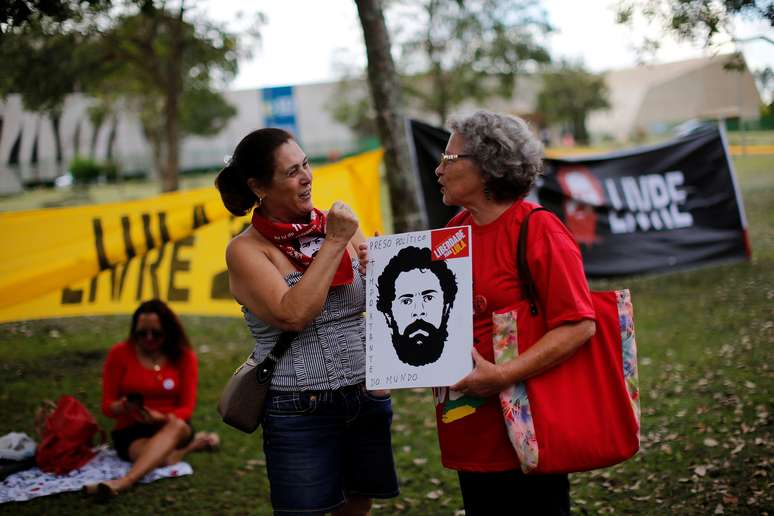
253,158
234,192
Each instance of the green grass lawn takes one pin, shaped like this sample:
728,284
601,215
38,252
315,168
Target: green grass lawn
751,137
706,348
45,197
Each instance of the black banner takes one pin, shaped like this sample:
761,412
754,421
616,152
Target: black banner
429,143
649,209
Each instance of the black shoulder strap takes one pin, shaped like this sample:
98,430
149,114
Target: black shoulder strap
527,285
266,368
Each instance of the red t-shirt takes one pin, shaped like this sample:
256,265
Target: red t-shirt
471,430
171,390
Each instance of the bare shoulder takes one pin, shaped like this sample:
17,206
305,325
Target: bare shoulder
249,252
248,243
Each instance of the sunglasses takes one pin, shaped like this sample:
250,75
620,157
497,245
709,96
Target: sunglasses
150,334
448,158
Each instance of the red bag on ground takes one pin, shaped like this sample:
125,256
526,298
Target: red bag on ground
67,436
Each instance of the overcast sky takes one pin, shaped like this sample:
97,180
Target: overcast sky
302,38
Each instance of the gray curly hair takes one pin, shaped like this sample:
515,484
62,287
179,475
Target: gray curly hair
506,151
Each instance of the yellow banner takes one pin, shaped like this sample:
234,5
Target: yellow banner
105,259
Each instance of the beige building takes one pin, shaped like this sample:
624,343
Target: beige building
651,98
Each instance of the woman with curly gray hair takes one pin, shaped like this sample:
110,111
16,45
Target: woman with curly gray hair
488,167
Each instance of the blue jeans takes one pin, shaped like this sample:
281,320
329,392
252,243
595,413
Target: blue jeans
322,446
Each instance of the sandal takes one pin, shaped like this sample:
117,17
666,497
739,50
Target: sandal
213,442
101,492
210,441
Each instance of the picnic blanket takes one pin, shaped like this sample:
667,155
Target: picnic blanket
33,483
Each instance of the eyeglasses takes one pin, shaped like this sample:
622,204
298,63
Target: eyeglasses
447,158
152,334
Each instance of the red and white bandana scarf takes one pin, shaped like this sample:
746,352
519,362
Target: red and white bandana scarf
284,235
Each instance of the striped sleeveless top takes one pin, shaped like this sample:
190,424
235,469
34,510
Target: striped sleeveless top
330,352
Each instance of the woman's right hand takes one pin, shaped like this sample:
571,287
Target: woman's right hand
154,417
131,409
341,224
362,255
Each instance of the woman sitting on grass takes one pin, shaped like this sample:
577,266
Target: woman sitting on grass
149,387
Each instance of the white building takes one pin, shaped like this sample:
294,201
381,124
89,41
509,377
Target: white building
642,99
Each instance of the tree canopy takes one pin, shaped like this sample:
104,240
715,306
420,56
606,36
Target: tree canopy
166,65
703,21
569,94
452,51
44,63
18,13
162,62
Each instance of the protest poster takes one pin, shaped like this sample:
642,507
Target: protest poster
419,321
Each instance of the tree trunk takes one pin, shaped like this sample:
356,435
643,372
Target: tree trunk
174,86
439,83
96,123
169,180
385,92
443,97
60,167
581,135
76,139
111,143
34,162
56,119
157,159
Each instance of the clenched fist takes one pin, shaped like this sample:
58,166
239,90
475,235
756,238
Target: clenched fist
341,224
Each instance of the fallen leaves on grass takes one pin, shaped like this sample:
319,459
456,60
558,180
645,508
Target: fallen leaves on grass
730,499
252,463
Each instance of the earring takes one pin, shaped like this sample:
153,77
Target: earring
487,193
260,201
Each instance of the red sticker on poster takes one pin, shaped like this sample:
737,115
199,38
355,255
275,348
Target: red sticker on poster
450,243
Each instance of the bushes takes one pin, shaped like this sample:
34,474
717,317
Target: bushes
87,170
110,171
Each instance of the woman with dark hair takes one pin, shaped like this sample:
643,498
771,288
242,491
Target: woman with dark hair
149,387
490,163
326,438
